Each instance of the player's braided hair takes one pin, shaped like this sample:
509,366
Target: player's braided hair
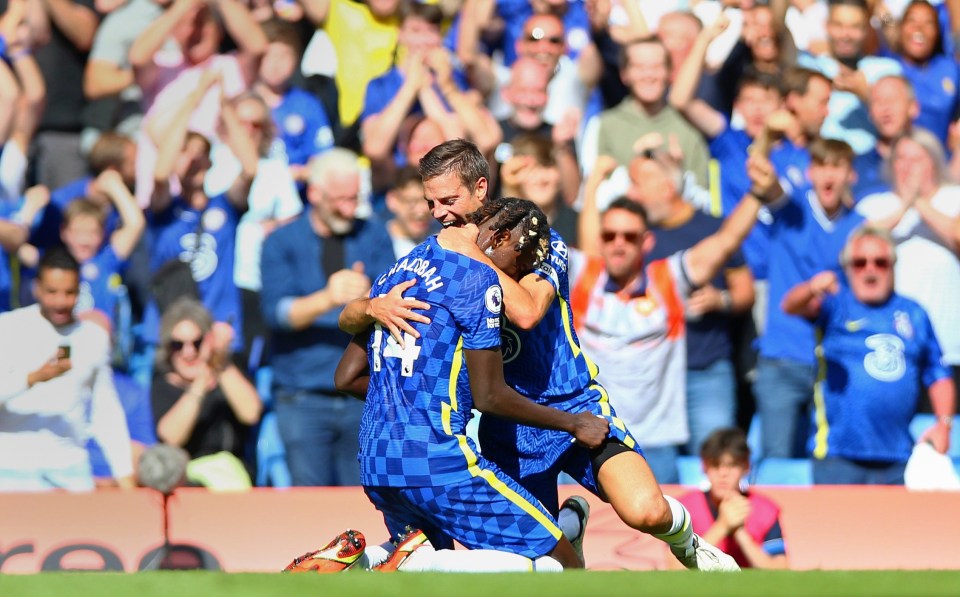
511,213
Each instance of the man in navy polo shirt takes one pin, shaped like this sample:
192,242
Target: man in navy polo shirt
311,268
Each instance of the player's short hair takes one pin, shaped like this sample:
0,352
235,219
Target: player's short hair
725,441
629,205
83,207
797,80
868,232
108,152
831,152
458,156
58,258
283,32
511,213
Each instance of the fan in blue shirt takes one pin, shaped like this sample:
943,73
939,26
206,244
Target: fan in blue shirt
878,351
302,122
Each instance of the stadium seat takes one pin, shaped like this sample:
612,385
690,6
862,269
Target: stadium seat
753,438
783,471
923,421
263,379
272,468
691,471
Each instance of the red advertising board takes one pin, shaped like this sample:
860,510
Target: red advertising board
262,530
106,530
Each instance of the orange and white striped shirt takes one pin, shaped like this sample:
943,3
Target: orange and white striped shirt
637,337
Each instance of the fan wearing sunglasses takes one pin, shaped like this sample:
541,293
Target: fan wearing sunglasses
201,401
878,351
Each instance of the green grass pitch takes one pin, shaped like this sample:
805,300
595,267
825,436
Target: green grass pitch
169,584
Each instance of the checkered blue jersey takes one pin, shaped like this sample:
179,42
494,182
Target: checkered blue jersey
546,363
413,431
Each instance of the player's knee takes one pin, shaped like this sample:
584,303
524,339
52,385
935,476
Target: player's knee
647,513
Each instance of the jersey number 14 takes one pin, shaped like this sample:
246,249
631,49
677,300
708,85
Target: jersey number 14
392,349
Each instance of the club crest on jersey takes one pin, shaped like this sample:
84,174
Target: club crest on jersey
644,306
493,299
509,345
214,219
901,323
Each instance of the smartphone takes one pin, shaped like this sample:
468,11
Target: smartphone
63,352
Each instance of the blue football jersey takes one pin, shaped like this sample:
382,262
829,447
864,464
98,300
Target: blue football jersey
875,359
413,431
546,363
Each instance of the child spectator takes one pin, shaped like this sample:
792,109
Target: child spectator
83,233
741,522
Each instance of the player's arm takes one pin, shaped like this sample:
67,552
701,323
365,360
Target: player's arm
353,371
492,395
391,310
525,302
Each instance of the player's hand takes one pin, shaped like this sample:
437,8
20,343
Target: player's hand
52,369
733,512
589,430
348,284
395,312
463,240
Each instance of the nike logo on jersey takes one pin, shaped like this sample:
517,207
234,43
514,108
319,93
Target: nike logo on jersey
855,325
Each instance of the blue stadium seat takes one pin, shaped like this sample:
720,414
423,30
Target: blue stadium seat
754,441
272,468
783,471
923,421
263,379
691,471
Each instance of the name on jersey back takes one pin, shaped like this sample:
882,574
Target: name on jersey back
419,266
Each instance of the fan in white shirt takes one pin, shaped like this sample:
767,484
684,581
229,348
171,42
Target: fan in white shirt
56,390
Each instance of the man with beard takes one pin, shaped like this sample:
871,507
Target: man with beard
311,268
54,369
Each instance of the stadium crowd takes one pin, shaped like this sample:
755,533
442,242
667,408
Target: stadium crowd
192,190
